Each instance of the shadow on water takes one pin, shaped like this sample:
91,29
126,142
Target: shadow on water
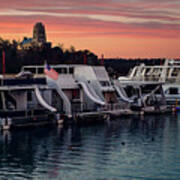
108,150
19,150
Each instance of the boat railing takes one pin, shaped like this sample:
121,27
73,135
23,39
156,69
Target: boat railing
150,78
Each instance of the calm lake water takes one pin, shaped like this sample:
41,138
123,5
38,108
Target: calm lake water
126,149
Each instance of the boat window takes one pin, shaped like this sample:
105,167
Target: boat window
75,94
33,70
147,71
135,72
173,90
61,70
58,70
71,70
40,70
175,72
29,96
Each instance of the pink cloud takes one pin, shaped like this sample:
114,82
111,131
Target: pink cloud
70,26
138,19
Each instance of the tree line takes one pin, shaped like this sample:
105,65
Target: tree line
16,57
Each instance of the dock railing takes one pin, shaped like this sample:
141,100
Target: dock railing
83,107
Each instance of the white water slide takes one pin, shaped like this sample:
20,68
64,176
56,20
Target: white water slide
66,101
90,95
144,98
124,98
42,101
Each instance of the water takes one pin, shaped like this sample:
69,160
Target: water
127,149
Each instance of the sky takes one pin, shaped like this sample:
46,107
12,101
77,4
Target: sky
114,28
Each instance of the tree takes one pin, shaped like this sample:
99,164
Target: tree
72,49
61,46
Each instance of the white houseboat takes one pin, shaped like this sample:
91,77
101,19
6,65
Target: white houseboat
86,91
26,101
144,97
167,73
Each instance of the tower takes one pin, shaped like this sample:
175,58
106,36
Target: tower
39,34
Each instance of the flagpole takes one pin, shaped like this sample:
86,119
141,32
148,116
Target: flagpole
85,58
102,59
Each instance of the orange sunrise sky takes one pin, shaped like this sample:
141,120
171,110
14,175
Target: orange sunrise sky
115,28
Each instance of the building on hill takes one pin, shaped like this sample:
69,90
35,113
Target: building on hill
38,39
39,33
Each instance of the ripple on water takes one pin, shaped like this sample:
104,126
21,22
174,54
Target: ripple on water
123,150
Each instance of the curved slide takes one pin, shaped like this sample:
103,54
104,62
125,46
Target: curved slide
42,101
93,92
66,101
150,94
124,98
55,84
89,94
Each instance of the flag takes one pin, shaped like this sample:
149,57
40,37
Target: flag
50,72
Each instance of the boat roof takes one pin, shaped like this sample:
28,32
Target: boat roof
101,73
55,66
67,81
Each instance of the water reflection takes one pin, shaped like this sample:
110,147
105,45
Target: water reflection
128,148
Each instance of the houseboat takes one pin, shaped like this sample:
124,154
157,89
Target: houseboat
144,97
167,73
26,101
86,91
